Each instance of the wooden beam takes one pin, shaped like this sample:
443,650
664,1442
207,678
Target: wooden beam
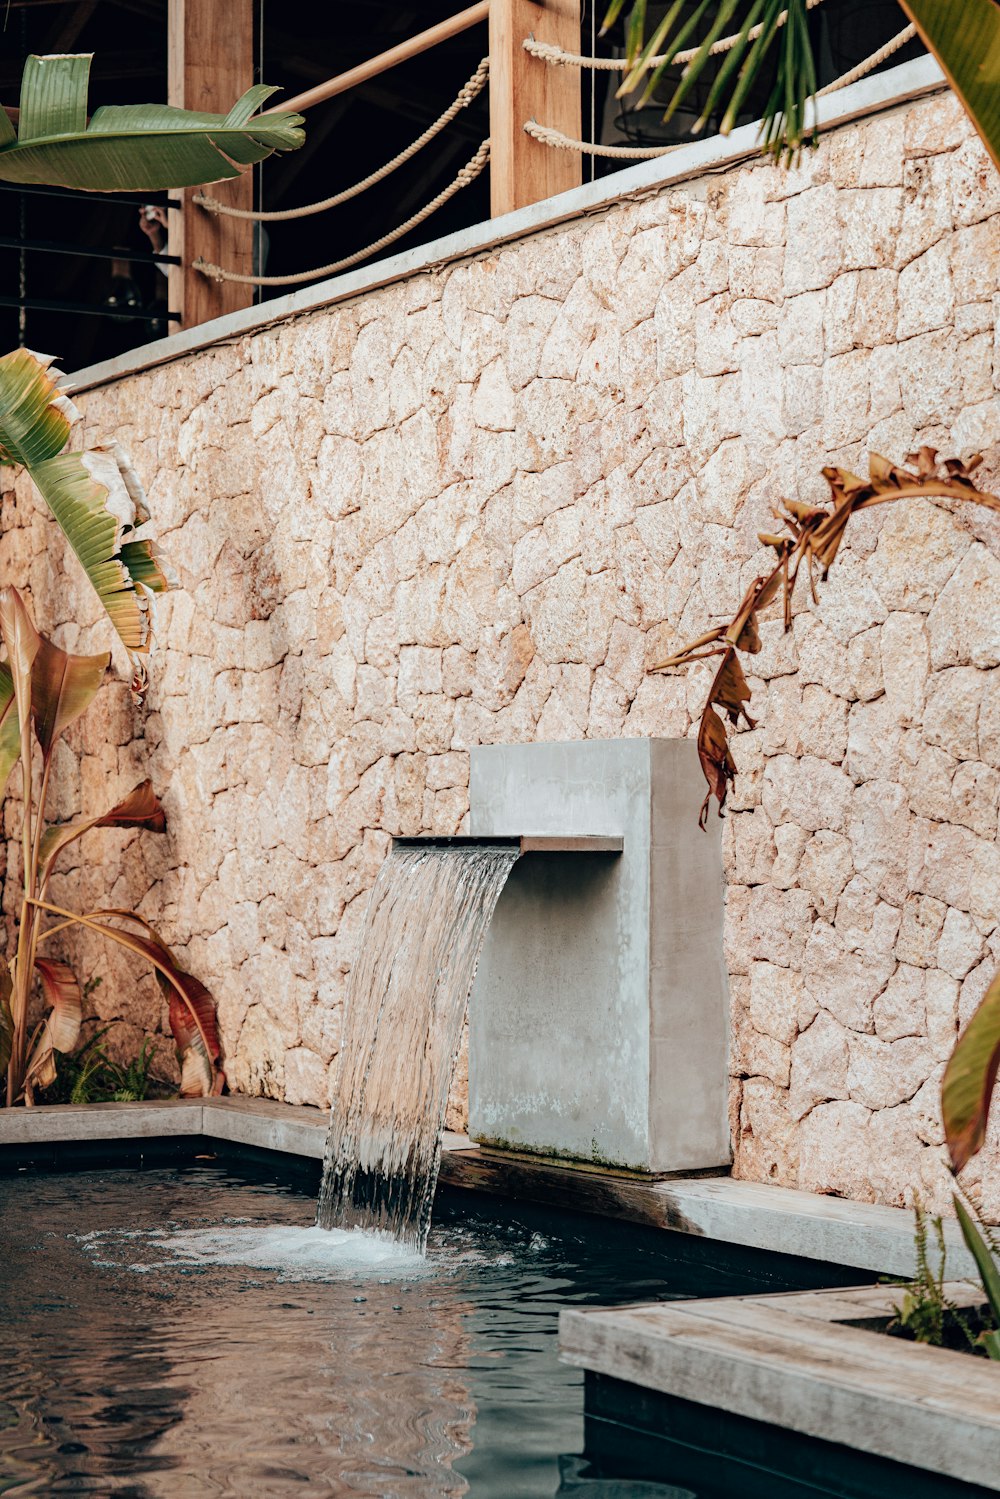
390,59
62,37
105,67
209,65
523,88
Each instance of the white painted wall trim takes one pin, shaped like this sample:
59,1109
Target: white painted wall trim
898,86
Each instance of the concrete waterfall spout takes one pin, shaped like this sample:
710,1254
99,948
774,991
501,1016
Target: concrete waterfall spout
598,1019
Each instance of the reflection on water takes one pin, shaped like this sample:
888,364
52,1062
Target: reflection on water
182,1332
579,1481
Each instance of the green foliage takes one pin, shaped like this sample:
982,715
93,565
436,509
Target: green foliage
926,1314
97,500
985,1250
772,42
135,147
965,39
770,35
88,1074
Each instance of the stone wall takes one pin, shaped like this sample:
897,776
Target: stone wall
475,506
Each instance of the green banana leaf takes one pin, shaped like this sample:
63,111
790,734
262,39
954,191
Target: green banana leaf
134,147
989,1271
969,1080
965,39
95,496
6,1019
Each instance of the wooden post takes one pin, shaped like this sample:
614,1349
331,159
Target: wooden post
523,170
209,65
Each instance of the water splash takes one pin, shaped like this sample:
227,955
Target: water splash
406,999
294,1253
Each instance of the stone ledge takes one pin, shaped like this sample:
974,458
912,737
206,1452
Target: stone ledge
795,1362
899,85
778,1220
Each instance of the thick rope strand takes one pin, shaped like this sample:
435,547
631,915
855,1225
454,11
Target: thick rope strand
468,174
464,98
550,53
550,137
870,63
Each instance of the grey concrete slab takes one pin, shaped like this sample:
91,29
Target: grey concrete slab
54,1123
804,1223
862,1304
261,1122
776,1220
773,1219
599,1019
778,1360
267,1125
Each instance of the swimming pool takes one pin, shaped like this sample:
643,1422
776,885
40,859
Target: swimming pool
183,1330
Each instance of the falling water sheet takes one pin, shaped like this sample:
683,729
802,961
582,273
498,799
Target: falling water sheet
406,1000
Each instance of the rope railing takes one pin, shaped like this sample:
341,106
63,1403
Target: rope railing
546,135
465,96
560,142
556,56
870,63
468,174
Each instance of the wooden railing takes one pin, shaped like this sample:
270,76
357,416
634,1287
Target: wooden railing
391,58
522,170
211,63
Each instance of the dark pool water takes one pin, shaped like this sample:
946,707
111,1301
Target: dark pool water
138,1361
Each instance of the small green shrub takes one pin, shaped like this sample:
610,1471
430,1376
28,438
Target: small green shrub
89,1075
926,1314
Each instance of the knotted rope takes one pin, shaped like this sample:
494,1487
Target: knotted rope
550,53
465,96
468,174
550,137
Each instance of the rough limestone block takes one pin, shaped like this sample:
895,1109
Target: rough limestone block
599,1017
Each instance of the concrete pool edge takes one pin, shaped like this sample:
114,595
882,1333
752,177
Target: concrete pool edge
796,1362
779,1220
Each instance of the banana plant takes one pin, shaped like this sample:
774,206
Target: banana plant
95,496
772,36
132,147
989,1272
43,690
810,541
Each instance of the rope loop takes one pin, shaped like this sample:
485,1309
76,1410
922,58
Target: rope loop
468,174
560,142
870,63
550,137
466,95
556,57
